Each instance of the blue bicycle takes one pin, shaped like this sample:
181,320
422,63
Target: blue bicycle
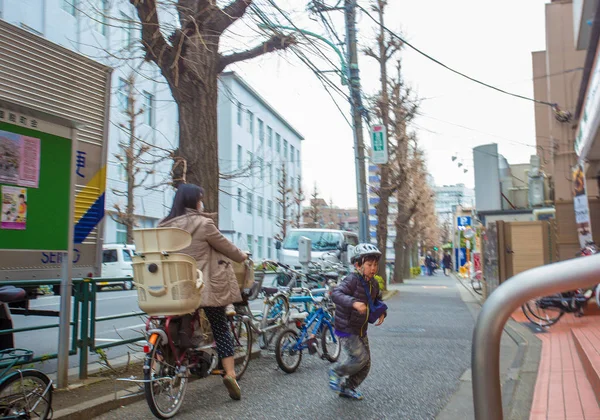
316,328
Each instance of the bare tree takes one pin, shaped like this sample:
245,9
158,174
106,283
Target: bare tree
298,200
387,48
315,208
189,59
137,158
285,202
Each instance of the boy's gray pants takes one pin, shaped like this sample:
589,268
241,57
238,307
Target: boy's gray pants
356,366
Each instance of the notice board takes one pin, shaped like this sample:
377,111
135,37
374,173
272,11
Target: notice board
43,207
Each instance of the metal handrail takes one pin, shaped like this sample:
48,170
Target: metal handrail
485,356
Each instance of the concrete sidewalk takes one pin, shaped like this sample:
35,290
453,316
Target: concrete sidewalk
519,359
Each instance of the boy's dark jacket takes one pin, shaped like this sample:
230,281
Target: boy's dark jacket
348,319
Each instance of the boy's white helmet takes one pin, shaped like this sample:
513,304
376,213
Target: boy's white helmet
364,250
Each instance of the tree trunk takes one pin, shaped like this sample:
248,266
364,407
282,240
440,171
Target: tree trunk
198,144
382,211
399,251
407,265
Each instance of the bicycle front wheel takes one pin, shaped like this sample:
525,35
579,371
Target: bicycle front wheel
544,317
242,345
26,394
287,356
166,386
277,314
330,344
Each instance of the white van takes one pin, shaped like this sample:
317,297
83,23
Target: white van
329,244
116,262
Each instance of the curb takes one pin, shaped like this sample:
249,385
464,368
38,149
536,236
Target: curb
389,294
106,403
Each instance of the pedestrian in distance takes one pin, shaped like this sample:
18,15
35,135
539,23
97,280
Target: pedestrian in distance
357,303
429,263
214,254
447,263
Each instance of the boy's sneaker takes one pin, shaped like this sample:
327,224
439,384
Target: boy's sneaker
350,393
230,310
334,381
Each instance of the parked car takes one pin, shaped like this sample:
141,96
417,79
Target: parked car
116,262
329,244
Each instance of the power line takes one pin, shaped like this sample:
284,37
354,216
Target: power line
450,68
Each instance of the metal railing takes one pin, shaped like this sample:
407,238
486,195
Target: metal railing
510,295
83,321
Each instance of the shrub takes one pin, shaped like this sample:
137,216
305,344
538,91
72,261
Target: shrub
380,281
415,271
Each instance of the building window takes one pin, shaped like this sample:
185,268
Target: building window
121,233
250,117
239,113
299,184
277,143
101,20
250,158
277,175
270,172
292,153
269,247
149,108
261,131
260,168
239,156
250,241
239,199
250,199
269,137
260,247
259,206
269,209
69,6
127,40
123,94
285,149
298,155
239,240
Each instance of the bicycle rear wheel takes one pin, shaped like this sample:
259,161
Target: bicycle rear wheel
166,390
278,313
26,394
242,344
544,317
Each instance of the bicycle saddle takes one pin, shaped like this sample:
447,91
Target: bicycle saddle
11,294
270,291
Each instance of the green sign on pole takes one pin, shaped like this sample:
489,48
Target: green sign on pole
379,152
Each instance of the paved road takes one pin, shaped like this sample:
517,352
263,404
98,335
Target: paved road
419,354
109,302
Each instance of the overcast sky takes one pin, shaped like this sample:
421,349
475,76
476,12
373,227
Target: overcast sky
490,41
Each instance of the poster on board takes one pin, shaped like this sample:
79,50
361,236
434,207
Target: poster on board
14,208
19,159
582,210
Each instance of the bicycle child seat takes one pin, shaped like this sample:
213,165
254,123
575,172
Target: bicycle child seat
168,283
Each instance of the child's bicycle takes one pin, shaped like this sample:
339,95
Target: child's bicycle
24,394
317,328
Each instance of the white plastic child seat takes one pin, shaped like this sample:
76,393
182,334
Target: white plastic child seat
167,284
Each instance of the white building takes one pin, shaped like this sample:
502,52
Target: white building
252,134
447,197
249,128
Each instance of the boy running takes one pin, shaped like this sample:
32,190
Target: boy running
351,321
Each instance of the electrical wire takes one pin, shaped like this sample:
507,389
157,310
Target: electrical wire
393,34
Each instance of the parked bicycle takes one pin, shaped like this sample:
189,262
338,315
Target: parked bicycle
316,329
476,282
24,393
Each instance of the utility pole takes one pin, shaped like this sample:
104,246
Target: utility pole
357,109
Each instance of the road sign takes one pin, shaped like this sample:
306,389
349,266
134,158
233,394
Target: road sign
379,149
463,221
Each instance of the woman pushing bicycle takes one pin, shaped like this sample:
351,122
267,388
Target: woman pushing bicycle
214,254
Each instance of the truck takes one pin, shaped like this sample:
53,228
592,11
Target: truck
46,90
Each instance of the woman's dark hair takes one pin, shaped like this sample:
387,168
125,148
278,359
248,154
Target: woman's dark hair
186,197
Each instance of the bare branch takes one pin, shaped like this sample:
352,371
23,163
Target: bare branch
276,42
224,18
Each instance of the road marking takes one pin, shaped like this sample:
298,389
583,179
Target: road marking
119,329
434,287
97,300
